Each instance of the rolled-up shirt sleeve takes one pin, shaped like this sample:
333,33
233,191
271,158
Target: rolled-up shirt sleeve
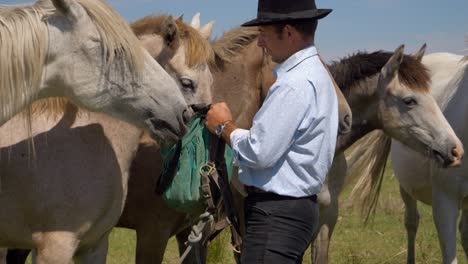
274,128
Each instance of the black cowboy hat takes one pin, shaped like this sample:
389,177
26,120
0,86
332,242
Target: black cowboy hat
281,11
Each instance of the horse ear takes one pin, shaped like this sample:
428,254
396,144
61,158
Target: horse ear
205,31
391,68
195,21
180,18
70,9
170,32
420,53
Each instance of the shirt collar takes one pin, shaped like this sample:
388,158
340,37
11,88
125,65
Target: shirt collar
295,60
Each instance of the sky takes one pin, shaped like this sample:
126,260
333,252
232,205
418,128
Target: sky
354,25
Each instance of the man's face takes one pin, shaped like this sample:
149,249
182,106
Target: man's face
273,42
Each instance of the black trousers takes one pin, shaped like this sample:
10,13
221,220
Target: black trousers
278,228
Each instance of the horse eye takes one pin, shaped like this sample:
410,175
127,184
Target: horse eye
410,101
188,84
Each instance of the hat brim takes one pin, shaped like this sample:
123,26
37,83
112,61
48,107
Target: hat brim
313,14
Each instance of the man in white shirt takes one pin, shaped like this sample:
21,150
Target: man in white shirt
284,157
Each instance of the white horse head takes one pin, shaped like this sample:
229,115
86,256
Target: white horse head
410,114
85,51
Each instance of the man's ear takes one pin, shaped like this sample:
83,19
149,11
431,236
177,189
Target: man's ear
288,29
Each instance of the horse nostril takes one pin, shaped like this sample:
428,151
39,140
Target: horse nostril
457,153
187,115
345,126
347,120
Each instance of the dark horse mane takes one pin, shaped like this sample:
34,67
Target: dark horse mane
351,70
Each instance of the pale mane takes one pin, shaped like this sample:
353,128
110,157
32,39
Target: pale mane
234,41
23,49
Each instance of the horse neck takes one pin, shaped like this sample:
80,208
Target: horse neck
239,84
454,96
363,101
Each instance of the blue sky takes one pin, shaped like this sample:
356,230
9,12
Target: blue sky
353,25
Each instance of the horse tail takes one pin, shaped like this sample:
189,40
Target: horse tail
367,161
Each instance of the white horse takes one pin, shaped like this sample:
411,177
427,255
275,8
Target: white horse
420,179
445,190
63,202
84,50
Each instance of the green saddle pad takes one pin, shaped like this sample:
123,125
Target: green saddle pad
184,192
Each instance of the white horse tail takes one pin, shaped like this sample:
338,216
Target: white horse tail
367,161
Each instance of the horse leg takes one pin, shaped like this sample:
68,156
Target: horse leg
329,217
17,256
445,214
55,247
151,244
3,255
463,227
411,223
329,206
96,253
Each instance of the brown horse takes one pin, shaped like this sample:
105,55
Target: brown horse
378,94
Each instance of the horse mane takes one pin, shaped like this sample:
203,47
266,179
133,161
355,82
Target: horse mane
24,40
198,49
233,42
23,45
350,71
51,106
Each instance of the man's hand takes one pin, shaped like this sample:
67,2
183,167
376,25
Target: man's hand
218,114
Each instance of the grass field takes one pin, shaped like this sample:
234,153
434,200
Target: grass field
383,241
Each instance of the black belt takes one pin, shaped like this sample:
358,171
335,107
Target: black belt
254,191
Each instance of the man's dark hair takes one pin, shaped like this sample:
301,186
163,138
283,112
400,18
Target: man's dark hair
306,27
